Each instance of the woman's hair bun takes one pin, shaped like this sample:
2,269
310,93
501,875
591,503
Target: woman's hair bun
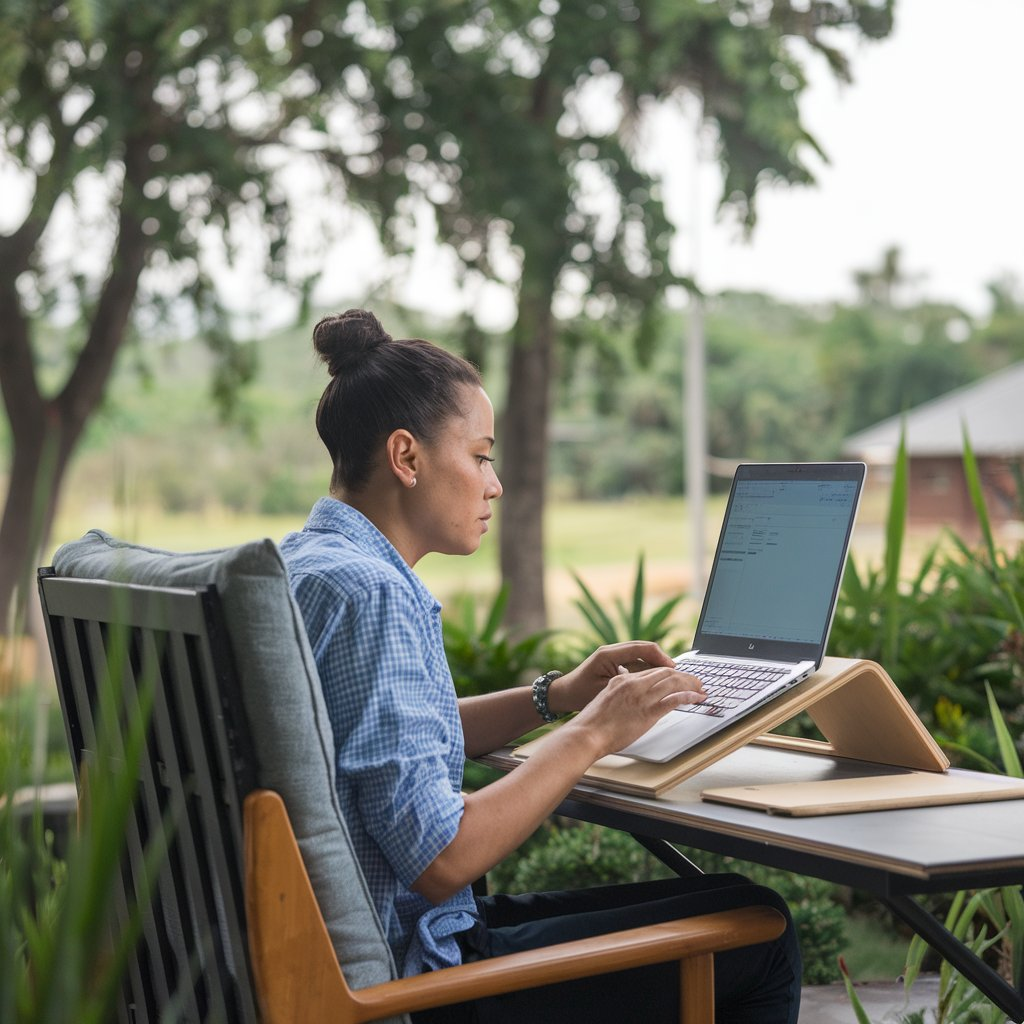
343,340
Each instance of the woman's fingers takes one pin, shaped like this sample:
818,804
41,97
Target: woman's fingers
637,654
660,686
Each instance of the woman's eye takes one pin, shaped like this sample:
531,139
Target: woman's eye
485,458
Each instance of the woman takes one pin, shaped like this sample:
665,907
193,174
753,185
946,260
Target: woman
410,432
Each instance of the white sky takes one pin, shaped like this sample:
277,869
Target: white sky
926,152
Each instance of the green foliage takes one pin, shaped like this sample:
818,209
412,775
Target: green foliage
851,992
627,621
484,657
573,856
986,919
58,962
23,719
953,627
990,922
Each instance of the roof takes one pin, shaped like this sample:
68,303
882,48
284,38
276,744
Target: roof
992,409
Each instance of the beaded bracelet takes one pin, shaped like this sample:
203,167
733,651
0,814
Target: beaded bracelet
540,695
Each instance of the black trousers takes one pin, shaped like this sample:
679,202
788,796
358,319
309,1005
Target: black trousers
753,985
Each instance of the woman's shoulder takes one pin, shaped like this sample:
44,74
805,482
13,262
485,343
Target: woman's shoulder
338,564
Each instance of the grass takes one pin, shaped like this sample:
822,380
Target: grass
874,951
600,541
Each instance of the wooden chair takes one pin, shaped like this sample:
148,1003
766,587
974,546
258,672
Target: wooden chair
261,911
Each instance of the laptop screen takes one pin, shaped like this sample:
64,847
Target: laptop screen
780,558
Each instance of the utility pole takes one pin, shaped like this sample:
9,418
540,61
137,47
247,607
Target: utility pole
695,387
696,443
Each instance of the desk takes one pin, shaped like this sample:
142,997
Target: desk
891,854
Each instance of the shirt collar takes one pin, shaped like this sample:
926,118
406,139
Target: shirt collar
333,516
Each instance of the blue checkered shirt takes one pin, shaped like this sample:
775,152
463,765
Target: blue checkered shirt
375,631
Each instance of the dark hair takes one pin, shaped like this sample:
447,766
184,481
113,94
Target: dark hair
380,384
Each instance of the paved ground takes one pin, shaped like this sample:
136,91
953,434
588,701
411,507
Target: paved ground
884,1002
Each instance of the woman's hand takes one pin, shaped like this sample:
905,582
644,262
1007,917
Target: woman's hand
632,702
576,689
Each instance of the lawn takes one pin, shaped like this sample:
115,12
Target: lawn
600,541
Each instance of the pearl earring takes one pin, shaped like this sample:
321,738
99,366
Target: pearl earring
412,482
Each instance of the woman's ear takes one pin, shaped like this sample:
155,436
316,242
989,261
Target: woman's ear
402,453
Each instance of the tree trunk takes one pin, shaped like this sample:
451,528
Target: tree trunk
524,464
38,462
44,431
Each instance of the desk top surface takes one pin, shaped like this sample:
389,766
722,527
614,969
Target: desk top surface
916,843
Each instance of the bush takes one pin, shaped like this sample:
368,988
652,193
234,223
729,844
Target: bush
574,856
954,626
483,657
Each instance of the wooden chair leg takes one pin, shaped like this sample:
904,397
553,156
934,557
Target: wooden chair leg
697,990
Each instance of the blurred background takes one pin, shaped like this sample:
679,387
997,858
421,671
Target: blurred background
675,236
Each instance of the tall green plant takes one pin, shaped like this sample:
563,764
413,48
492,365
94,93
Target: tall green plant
484,656
59,961
953,625
983,919
986,917
996,565
626,621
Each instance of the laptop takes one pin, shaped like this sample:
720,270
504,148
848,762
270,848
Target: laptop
770,598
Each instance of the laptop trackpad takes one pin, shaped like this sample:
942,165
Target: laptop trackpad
670,735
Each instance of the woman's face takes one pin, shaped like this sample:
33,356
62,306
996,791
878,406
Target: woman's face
456,481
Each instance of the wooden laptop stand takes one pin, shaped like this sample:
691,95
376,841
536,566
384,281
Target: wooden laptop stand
854,703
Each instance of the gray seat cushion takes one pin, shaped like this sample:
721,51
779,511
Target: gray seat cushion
285,709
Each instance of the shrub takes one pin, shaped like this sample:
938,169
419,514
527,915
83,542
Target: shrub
574,856
956,624
484,657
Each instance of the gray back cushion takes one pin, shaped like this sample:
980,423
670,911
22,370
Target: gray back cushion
285,708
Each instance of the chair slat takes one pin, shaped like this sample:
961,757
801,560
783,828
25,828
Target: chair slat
192,955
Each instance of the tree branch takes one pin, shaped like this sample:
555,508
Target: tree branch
87,381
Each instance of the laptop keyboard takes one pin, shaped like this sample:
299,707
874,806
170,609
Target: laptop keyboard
727,684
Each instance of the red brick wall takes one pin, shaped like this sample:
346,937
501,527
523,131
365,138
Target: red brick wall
938,491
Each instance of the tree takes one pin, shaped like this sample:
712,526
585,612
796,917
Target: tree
141,128
520,125
134,130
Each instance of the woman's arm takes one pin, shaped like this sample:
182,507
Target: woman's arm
494,719
501,816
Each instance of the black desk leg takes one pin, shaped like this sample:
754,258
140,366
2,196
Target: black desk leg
986,980
668,855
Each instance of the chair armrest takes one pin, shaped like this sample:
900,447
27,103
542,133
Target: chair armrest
582,958
297,974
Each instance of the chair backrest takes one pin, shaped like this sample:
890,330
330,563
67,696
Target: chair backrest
238,704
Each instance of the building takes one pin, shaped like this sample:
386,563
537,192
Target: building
992,411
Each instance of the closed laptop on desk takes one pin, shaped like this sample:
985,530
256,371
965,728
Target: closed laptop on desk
770,599
870,793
